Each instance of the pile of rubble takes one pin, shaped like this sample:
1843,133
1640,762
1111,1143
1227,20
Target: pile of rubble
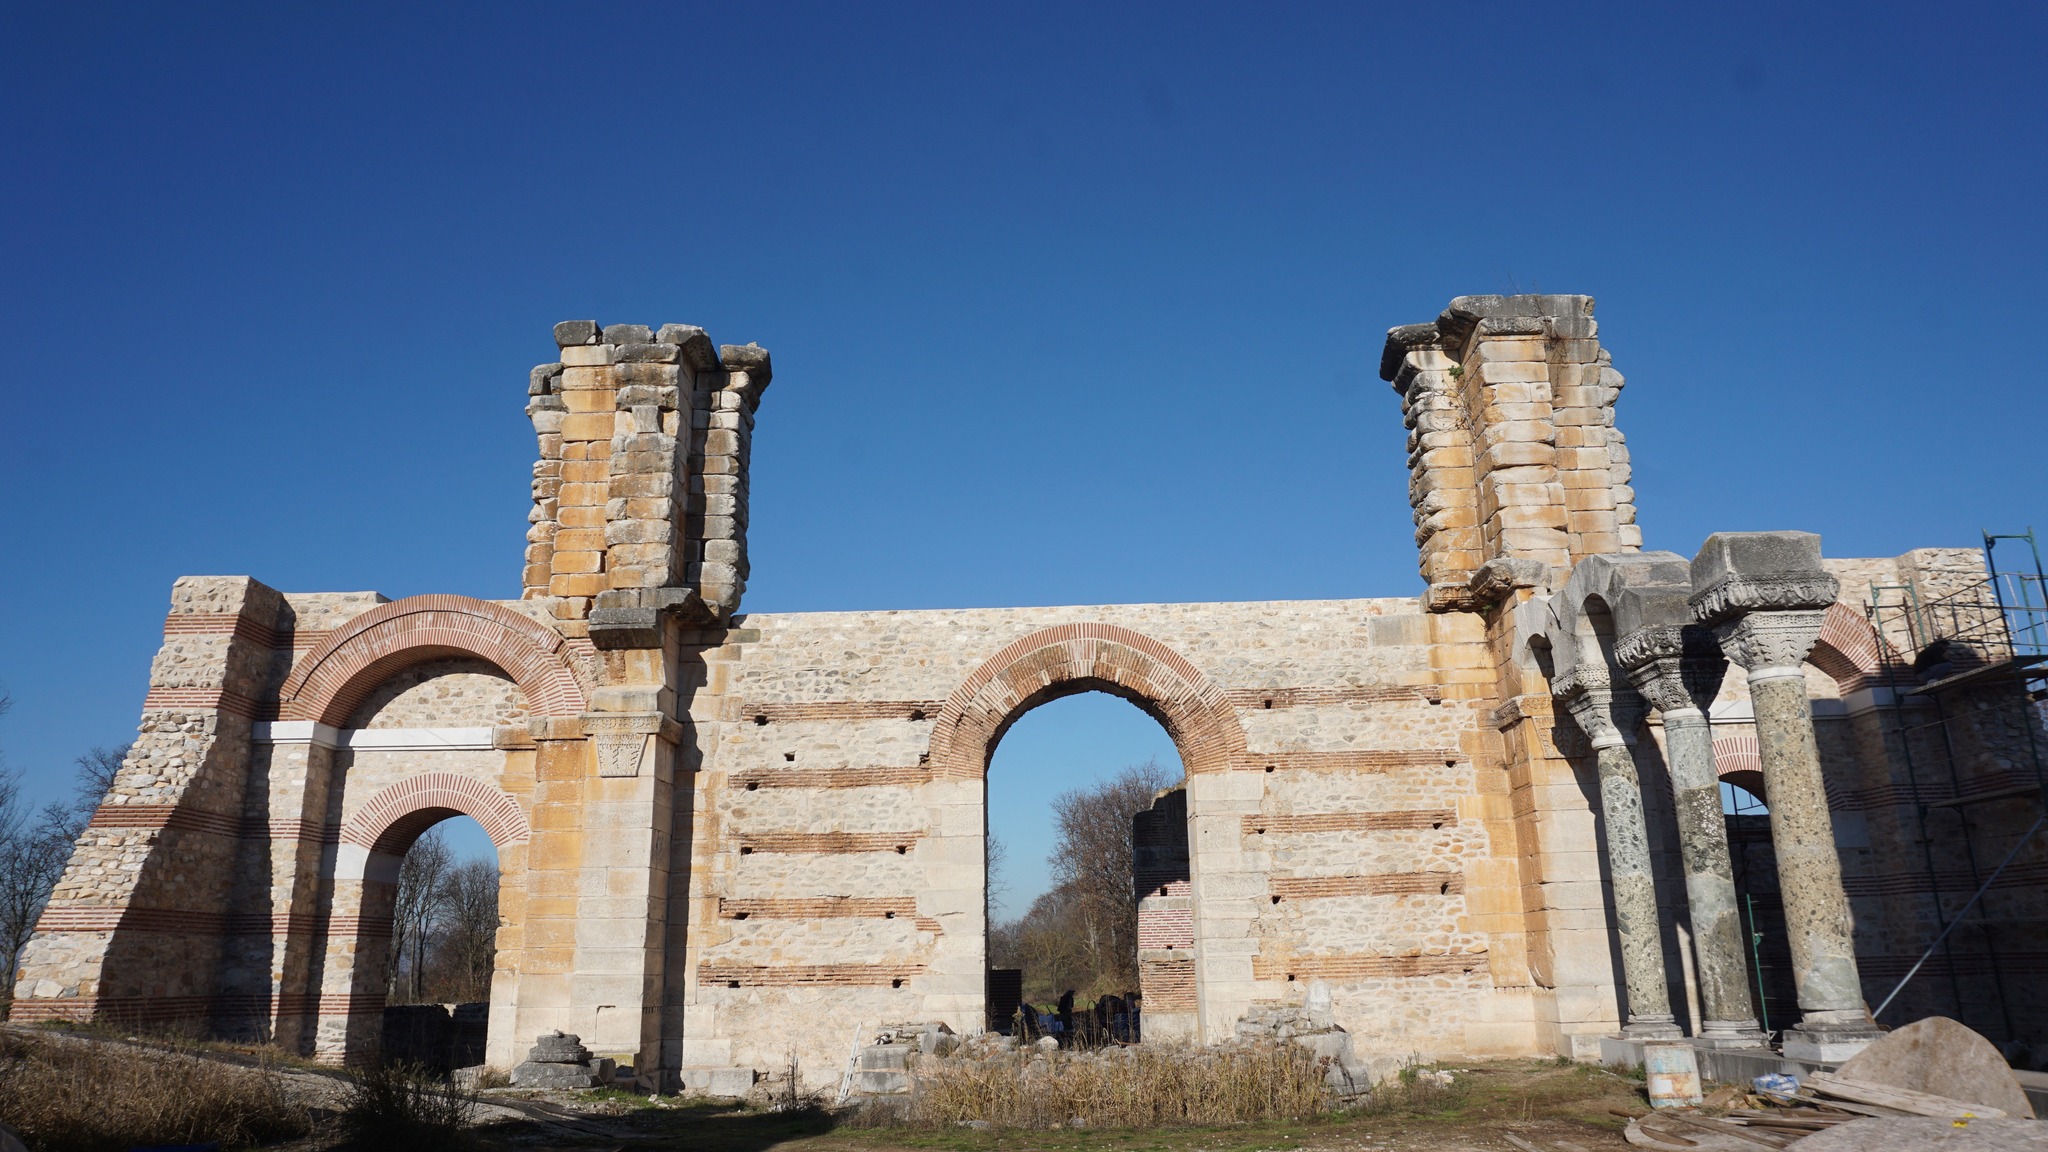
1931,1083
1313,1025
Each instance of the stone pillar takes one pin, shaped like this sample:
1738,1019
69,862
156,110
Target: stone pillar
1678,668
1765,595
1607,716
1512,449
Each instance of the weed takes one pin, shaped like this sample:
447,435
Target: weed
1417,1091
399,1107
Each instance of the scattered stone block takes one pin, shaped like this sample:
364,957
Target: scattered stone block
1941,1057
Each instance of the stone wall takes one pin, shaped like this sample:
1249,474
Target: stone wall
450,693
838,865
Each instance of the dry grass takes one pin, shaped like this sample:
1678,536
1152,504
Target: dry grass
78,1096
1417,1091
1144,1087
400,1107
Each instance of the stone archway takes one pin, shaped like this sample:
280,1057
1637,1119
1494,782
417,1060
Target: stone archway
327,686
1848,649
374,842
1070,658
1073,658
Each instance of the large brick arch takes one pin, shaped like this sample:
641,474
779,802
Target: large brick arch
398,813
339,674
1073,658
1848,649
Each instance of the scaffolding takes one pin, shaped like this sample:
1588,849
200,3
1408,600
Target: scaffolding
1989,636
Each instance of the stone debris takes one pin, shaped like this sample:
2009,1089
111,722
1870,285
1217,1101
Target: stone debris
1313,1025
1941,1057
559,1060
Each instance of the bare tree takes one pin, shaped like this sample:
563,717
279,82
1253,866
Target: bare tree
1083,934
96,771
997,883
1092,862
34,848
465,950
415,913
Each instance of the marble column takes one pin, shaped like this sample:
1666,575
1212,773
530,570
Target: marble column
1766,595
1678,669
1608,715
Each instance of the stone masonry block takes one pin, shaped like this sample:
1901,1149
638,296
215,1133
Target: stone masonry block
1504,412
1518,453
589,425
1535,516
1519,372
577,584
642,485
639,532
1512,348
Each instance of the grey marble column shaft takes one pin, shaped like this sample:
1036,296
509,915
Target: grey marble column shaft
1605,715
1771,646
1679,669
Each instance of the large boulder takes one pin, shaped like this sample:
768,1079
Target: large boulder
1941,1057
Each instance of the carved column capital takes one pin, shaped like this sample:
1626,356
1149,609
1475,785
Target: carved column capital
624,740
1770,643
1678,667
1606,712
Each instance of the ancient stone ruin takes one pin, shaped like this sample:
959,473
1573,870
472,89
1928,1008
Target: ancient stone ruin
1480,821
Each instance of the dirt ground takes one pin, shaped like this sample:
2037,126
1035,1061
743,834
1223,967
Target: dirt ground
1549,1107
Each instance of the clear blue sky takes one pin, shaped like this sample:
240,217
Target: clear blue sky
1068,304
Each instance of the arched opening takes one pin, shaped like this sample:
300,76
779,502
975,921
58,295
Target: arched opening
444,929
430,842
1088,869
1062,661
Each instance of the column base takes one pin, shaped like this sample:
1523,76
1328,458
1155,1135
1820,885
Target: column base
1832,1034
1825,1047
1652,1028
1731,1034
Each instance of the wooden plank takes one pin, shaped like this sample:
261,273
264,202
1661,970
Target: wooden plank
1884,1095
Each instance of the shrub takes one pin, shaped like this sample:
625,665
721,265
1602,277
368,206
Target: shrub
1142,1087
73,1095
399,1106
